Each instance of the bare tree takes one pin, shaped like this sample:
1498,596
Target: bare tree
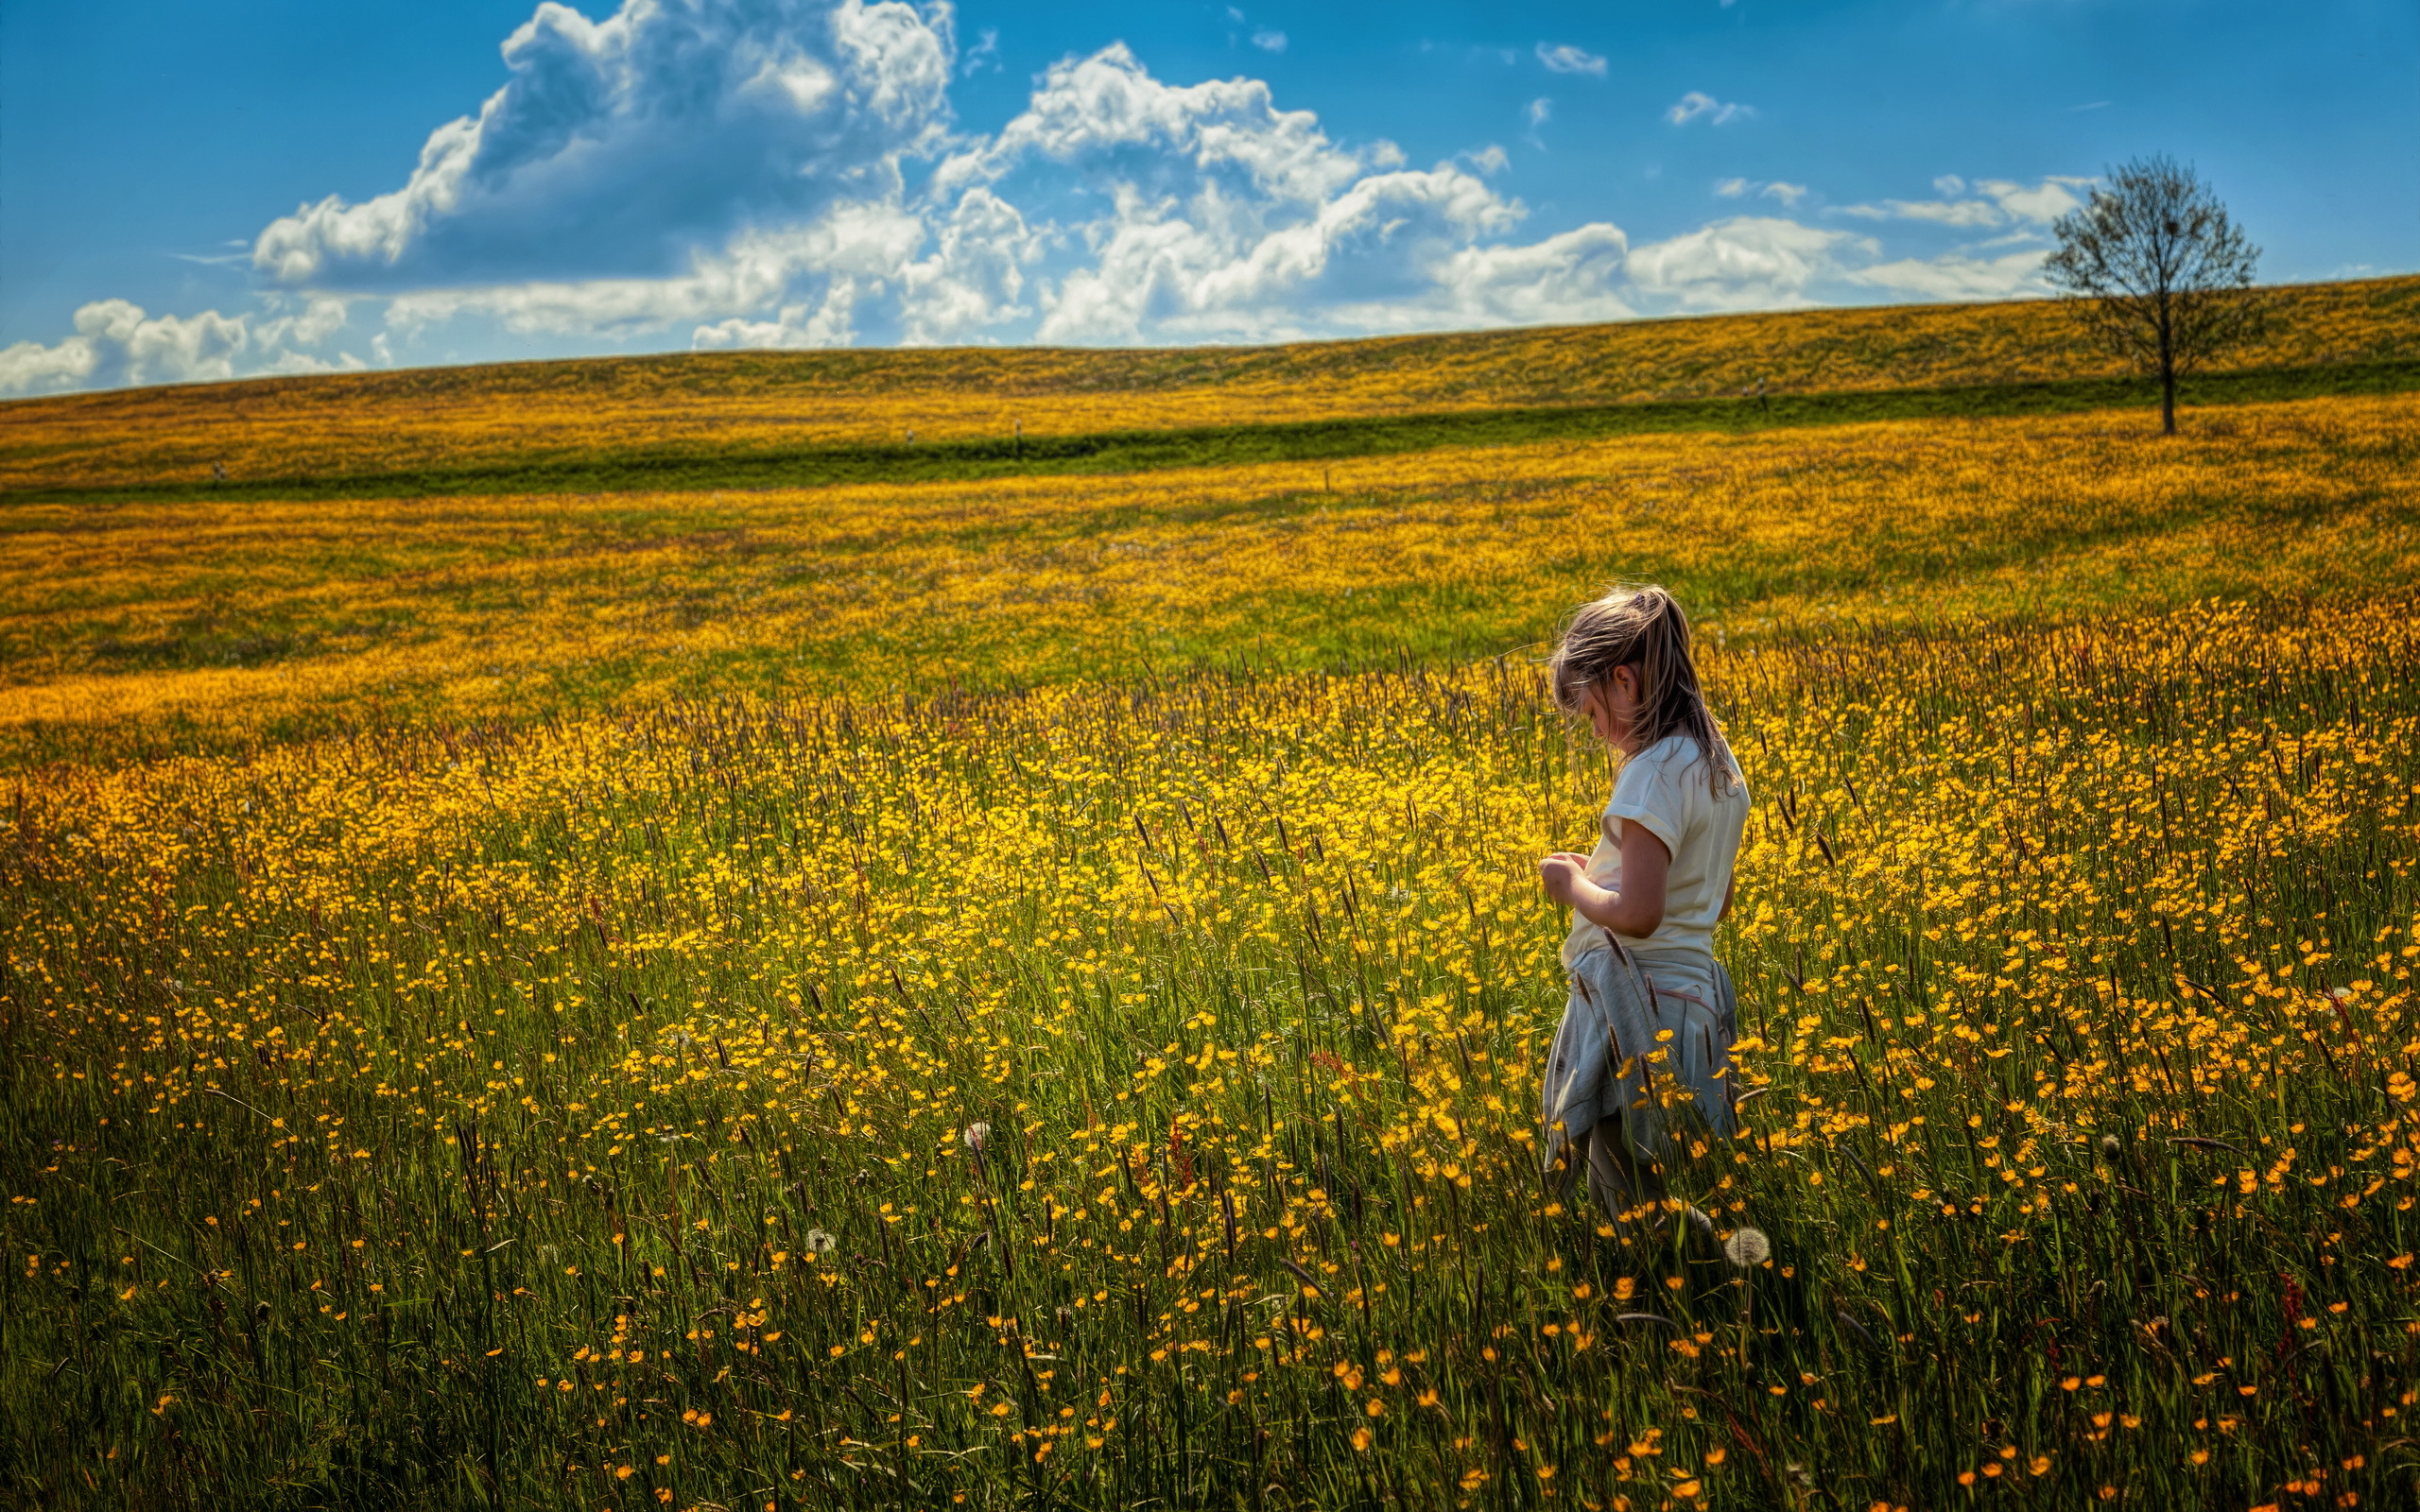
2157,271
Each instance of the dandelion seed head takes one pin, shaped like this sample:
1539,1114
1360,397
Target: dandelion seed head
976,1134
1748,1248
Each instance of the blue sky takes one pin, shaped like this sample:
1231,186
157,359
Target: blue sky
204,190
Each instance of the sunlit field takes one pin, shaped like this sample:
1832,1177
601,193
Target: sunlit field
737,404
133,618
1031,992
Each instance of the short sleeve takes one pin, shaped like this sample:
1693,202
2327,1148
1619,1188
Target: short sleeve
1649,792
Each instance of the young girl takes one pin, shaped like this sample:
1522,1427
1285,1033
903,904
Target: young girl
1647,1033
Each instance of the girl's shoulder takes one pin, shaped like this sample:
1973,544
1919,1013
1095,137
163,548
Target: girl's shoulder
1672,756
1677,761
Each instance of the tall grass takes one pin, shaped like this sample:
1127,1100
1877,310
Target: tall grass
1122,1094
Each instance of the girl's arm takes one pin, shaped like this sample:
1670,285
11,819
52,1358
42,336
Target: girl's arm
1633,912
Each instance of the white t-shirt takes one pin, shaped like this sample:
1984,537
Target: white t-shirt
1664,787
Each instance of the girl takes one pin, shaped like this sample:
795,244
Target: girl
1647,1032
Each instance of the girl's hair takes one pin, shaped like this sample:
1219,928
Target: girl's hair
1642,628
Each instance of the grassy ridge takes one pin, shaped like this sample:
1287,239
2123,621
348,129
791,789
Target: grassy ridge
504,417
690,468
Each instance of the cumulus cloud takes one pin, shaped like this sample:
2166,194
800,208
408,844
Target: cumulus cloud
1268,40
1573,276
116,344
1697,104
1165,211
846,253
1107,117
1745,263
1208,212
1375,254
620,145
1564,58
788,173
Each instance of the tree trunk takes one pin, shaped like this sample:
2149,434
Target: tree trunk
2166,372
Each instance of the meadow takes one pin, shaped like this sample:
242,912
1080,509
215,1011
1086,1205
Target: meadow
1029,991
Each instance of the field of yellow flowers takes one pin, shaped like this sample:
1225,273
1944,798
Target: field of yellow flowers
146,625
1030,994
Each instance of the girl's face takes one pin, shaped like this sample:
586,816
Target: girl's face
1611,706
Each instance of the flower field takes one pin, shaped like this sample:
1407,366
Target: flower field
1030,993
136,622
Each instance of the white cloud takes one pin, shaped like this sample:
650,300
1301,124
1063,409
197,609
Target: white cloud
1268,40
1107,117
116,343
863,245
619,145
1386,243
1571,277
290,363
973,281
1788,193
1958,277
320,317
1697,104
1208,212
1946,212
1997,202
984,56
735,173
1745,263
1566,59
1190,212
2042,204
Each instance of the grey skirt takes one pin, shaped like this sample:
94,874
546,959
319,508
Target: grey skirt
1644,1050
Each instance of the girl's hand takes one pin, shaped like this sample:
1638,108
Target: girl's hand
1637,910
1561,873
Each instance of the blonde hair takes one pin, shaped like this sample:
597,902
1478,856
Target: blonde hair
1644,629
